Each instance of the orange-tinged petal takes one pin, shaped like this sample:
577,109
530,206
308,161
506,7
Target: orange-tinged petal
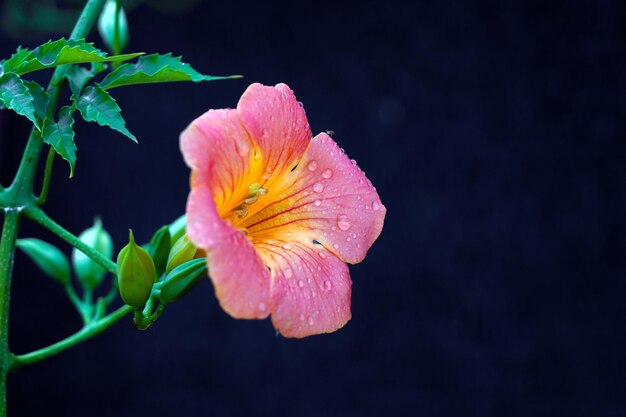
218,149
327,198
278,125
241,281
311,288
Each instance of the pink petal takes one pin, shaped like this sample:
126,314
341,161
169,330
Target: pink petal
278,125
327,198
241,281
311,288
218,149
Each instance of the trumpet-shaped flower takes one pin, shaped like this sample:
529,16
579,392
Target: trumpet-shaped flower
278,212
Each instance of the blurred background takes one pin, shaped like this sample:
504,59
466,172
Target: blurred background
495,135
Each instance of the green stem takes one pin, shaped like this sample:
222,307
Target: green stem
92,329
7,250
38,215
47,176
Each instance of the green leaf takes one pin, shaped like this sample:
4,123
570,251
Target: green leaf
98,67
96,105
17,97
40,97
60,135
77,78
47,257
59,52
155,68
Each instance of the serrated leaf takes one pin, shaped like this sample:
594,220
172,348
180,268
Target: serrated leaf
18,57
60,135
16,96
40,97
59,52
47,257
155,68
96,105
77,78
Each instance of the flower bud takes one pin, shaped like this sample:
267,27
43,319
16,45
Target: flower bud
159,249
180,280
135,274
182,251
107,26
89,273
47,257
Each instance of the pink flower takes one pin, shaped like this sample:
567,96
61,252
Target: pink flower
277,212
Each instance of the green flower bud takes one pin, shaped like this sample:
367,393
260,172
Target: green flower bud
159,249
135,273
182,251
89,273
181,279
106,27
47,257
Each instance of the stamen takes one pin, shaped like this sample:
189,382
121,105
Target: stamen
254,192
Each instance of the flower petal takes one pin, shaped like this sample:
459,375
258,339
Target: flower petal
241,280
218,149
278,125
327,198
311,288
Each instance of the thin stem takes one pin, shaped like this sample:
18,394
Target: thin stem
92,329
38,215
7,251
47,176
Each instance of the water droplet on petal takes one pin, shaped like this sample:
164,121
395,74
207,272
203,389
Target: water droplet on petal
343,223
327,173
301,317
322,255
300,284
318,187
336,246
317,203
311,321
262,306
375,206
312,166
287,246
288,273
328,285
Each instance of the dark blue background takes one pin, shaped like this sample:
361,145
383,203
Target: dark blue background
495,134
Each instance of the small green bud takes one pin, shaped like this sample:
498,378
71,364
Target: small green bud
180,280
159,249
106,27
47,257
182,251
135,273
89,273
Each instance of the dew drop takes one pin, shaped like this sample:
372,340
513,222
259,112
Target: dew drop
288,273
300,284
311,321
375,206
286,246
262,306
336,246
312,166
301,317
328,285
318,187
322,255
327,173
343,223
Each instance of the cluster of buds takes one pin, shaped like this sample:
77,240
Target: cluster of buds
159,271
